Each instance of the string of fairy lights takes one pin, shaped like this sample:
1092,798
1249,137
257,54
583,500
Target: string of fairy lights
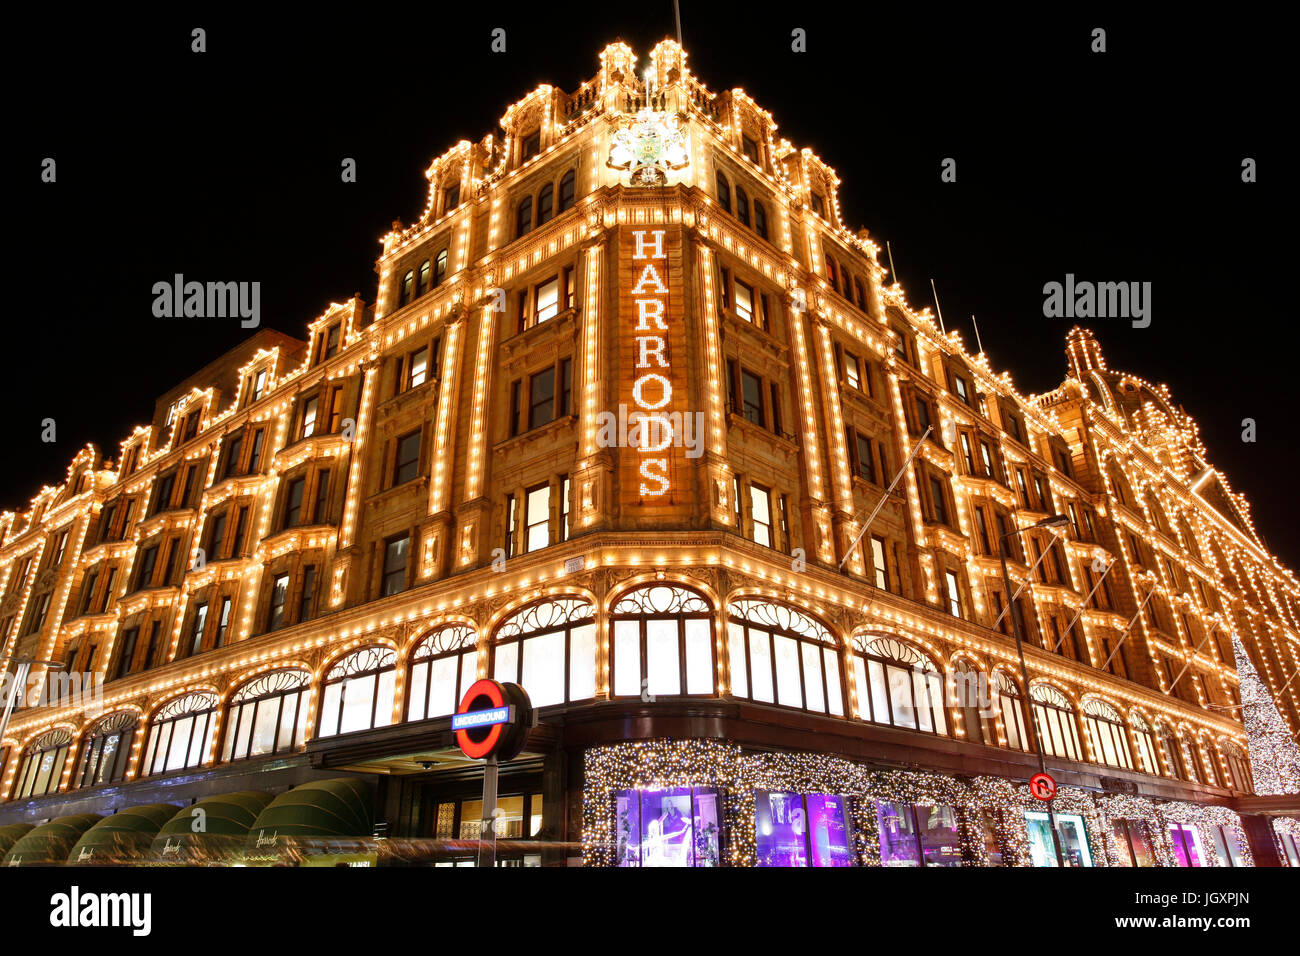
1156,448
990,811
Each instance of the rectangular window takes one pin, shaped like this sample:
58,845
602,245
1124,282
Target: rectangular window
752,393
564,514
537,530
279,594
163,498
233,447
548,300
961,388
954,593
223,622
237,543
879,568
318,515
966,454
196,628
129,638
255,455
395,553
922,414
541,398
309,417
148,558
308,592
418,368
986,456
939,502
216,536
744,301
566,388
865,461
407,463
852,371
760,506
511,517
293,502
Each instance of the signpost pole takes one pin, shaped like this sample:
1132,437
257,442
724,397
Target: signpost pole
489,808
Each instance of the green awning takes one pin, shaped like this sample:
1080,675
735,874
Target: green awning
323,809
11,834
214,830
124,837
50,843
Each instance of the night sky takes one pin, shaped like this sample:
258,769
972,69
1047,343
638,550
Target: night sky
1122,166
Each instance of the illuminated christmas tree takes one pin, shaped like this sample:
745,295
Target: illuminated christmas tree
1274,756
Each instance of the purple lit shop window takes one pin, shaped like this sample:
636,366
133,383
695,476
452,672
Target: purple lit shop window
677,826
898,843
940,844
828,830
780,828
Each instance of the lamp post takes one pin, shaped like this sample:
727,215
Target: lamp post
1055,521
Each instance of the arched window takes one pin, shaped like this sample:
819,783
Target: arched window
663,643
1206,750
1106,730
422,281
439,268
724,192
1189,539
1058,734
898,685
443,666
179,734
268,715
42,766
760,219
1170,751
1238,766
407,288
742,206
549,648
358,692
1157,512
1146,744
524,216
1011,702
1119,484
783,656
105,749
832,273
568,190
545,204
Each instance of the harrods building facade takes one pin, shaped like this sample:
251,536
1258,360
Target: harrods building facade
292,571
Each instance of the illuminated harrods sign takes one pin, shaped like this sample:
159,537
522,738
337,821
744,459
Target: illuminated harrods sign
648,396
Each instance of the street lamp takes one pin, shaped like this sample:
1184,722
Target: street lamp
1055,521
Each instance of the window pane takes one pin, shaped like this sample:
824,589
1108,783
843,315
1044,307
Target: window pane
265,726
812,677
900,697
760,665
543,668
663,664
699,657
288,717
940,845
789,693
506,667
627,658
921,696
835,697
329,709
582,662
180,743
936,702
387,689
358,704
880,693
548,300
736,654
415,707
860,687
442,695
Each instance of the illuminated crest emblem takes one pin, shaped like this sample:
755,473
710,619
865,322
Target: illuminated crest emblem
649,145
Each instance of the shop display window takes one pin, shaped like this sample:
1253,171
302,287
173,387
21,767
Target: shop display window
1073,835
676,826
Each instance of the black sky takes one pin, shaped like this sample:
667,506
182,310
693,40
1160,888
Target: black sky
1123,166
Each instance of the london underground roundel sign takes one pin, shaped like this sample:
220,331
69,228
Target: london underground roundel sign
492,720
1042,786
